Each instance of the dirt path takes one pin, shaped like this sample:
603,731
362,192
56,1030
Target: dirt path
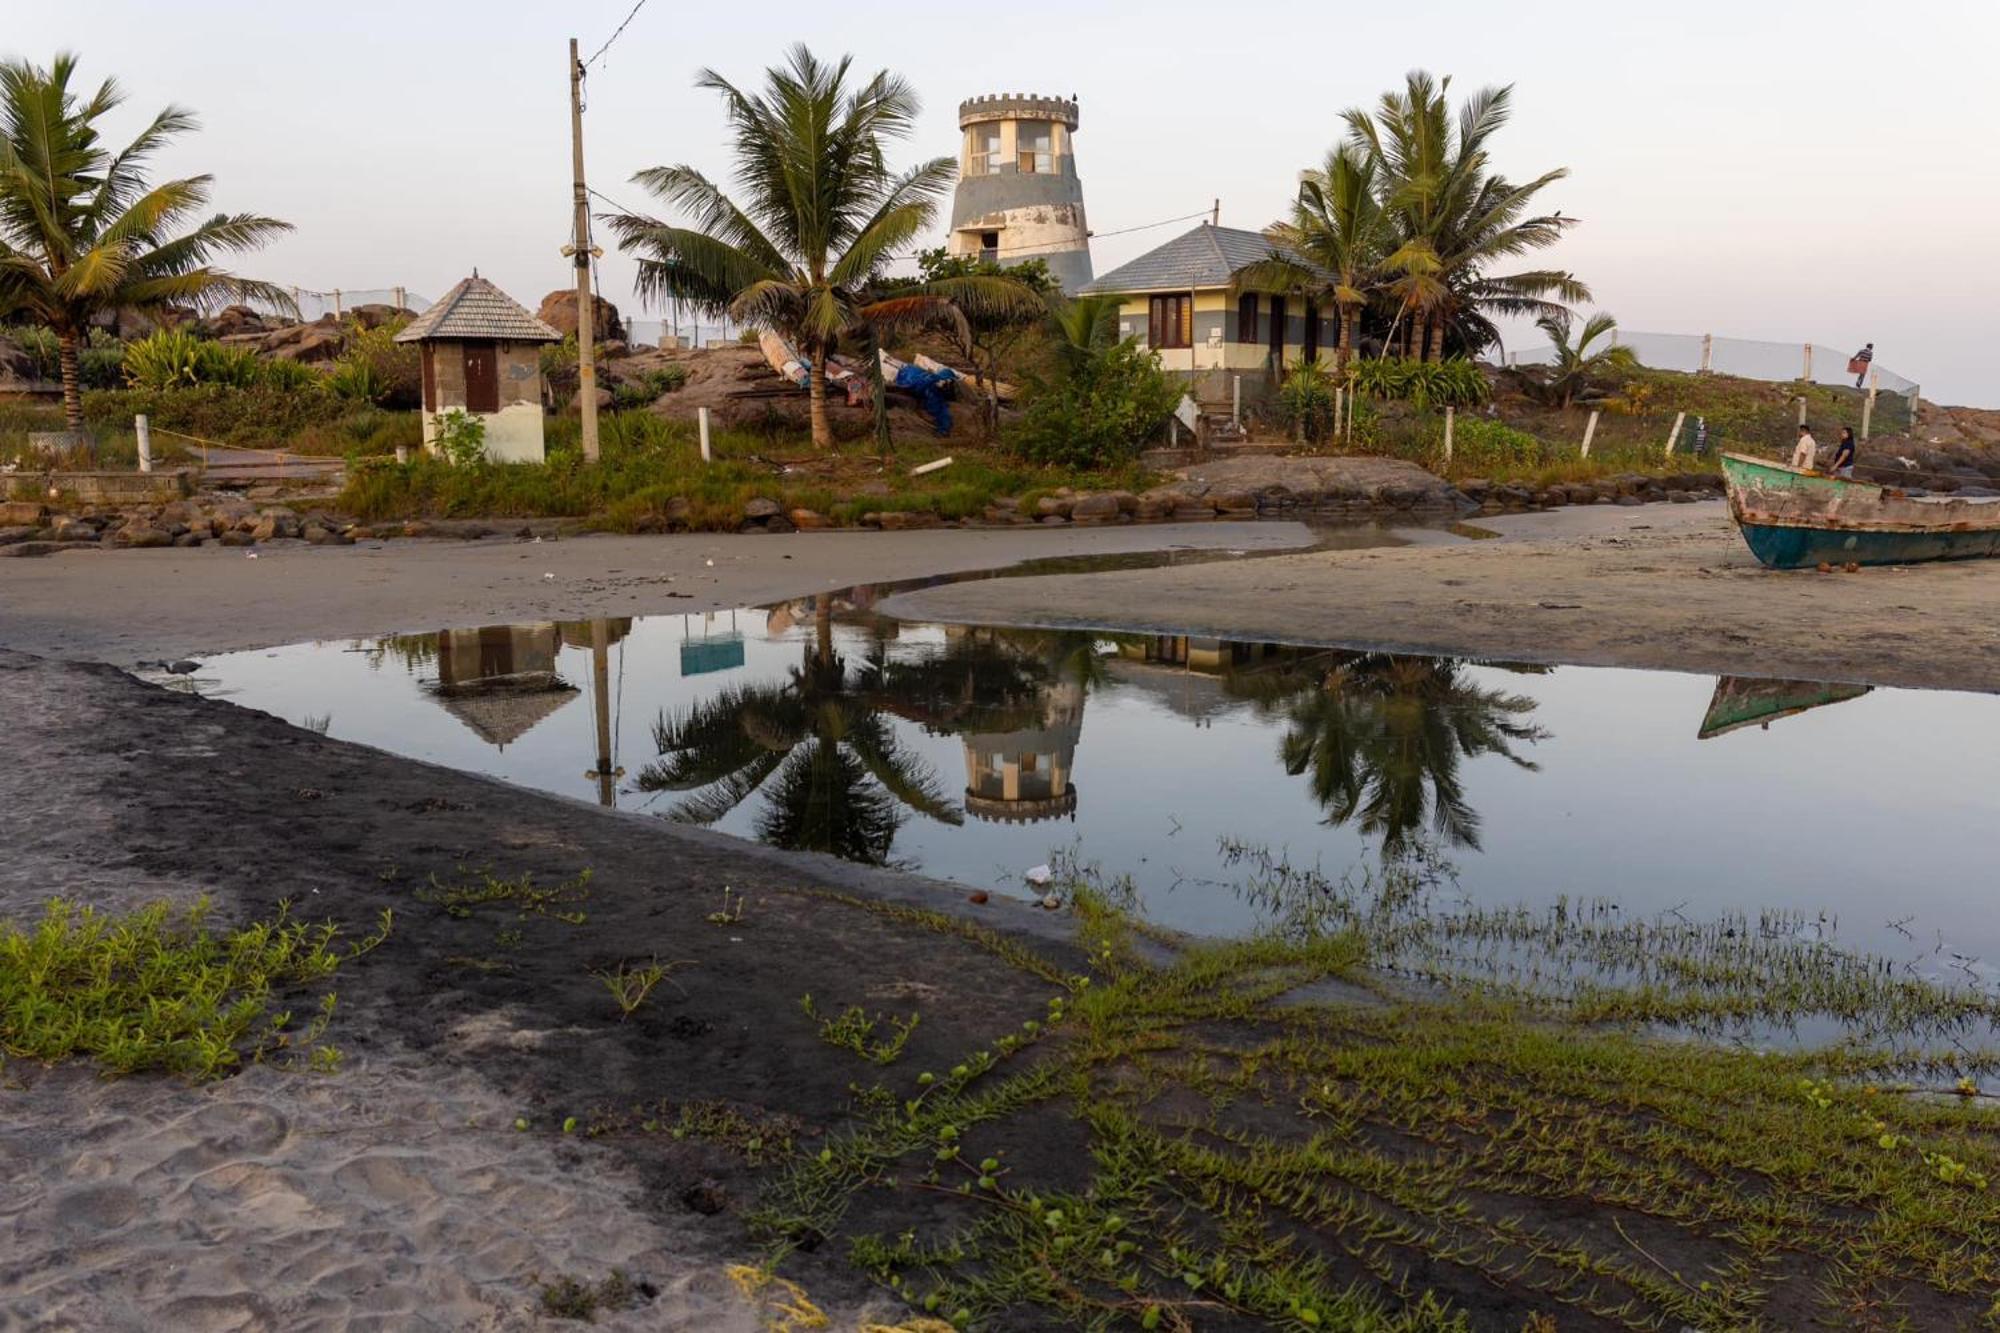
1671,588
123,606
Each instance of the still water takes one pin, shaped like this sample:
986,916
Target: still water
976,754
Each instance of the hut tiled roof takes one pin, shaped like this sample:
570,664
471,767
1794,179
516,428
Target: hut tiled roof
477,309
1207,256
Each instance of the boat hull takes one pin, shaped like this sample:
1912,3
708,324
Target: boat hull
1792,519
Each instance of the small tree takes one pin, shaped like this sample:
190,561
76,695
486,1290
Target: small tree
1575,364
82,232
990,330
1104,402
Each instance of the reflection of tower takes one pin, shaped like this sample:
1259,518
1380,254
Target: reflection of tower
1018,193
500,680
1024,776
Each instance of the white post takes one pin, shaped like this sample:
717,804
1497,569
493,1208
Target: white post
1339,408
1236,401
1802,409
1868,405
337,312
1589,429
402,454
1448,413
402,299
1707,353
1675,433
144,430
1807,376
701,417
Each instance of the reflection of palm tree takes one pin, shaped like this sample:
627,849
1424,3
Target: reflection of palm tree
1381,738
833,775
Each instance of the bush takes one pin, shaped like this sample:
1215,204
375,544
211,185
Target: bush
1101,412
1305,400
645,388
258,415
460,438
1422,384
1480,444
377,369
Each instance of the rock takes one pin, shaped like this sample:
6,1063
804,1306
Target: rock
319,535
558,311
761,508
1234,504
140,535
904,520
1682,497
1007,502
29,549
1629,500
236,537
23,513
188,539
1094,508
275,524
809,520
10,535
74,530
1056,505
603,402
1053,520
706,1196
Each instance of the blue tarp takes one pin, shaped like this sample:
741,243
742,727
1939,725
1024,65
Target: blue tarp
930,388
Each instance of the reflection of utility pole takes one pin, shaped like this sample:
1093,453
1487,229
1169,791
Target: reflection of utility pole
581,251
600,679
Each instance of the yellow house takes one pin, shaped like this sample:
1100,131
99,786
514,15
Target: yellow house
1188,302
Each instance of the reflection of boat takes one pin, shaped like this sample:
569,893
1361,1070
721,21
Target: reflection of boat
1792,518
1741,701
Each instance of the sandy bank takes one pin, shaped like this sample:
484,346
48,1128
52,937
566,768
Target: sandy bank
122,606
1666,588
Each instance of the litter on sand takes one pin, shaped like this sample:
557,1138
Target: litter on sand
1038,875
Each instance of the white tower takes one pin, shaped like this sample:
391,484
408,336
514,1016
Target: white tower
1018,193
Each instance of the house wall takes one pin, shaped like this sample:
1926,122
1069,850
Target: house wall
1219,344
514,433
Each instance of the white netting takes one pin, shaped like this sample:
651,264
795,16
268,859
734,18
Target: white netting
648,332
1750,358
340,301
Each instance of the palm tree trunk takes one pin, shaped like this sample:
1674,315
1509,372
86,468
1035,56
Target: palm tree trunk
1350,314
822,430
69,355
1436,351
1419,332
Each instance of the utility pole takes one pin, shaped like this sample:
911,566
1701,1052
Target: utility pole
580,248
1215,214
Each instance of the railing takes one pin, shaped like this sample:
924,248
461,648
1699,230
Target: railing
313,305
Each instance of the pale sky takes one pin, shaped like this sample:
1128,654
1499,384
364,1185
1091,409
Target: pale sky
1794,171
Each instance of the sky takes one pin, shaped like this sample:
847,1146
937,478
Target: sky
1757,169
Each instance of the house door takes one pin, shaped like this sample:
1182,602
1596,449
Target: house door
1277,335
482,377
1310,348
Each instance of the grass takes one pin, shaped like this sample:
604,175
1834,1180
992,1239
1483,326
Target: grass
630,986
854,1030
158,990
579,1299
652,476
522,896
1201,1138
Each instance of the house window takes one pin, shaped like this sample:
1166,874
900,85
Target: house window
1246,318
989,246
1170,321
1311,349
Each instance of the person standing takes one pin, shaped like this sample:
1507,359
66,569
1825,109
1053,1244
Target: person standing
1857,365
1843,454
1806,450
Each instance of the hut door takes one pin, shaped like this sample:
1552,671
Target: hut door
482,377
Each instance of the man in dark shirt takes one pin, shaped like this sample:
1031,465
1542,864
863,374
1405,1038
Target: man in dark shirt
1858,363
1843,455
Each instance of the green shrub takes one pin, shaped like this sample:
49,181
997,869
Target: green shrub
643,389
288,375
164,359
460,437
258,415
99,368
1305,400
1480,444
1423,384
39,342
377,369
1101,412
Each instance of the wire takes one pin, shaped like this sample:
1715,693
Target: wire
616,34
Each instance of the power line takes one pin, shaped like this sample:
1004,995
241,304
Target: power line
616,34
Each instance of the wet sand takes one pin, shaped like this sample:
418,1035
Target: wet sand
1664,587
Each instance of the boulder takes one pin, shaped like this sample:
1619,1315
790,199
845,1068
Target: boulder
236,537
140,536
188,539
558,311
275,524
760,508
235,320
603,402
809,520
17,533
315,344
904,520
1233,504
1094,508
20,513
1058,506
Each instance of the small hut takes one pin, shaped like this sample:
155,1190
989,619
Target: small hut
481,355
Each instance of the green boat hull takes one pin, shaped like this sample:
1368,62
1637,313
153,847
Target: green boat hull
1793,519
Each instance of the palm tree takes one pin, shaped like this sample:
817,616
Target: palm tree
834,777
1381,736
1339,228
1575,365
821,211
1454,218
82,233
1083,330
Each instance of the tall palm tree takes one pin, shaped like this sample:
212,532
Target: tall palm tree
83,233
1454,218
821,211
1381,736
1340,229
834,777
1575,364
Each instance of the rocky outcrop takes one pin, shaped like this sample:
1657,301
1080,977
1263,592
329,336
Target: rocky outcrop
558,311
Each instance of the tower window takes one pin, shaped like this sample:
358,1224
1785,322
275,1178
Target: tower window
985,154
989,246
1034,145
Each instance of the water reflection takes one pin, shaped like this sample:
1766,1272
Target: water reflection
1743,701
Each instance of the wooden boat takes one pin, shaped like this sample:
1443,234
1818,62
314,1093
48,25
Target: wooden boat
1744,701
1793,518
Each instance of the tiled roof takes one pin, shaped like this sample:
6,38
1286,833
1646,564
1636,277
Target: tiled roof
477,309
1205,257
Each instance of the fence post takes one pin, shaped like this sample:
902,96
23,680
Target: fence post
1675,433
1868,405
1236,401
1448,411
1589,429
144,430
1707,353
1802,409
701,418
1807,376
402,299
337,312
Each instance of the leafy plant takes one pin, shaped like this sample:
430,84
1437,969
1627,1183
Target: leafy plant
629,986
375,368
460,437
1100,410
287,376
1306,400
643,389
164,359
156,989
1575,366
1423,384
854,1030
1483,445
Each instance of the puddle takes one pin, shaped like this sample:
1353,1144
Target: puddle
974,754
